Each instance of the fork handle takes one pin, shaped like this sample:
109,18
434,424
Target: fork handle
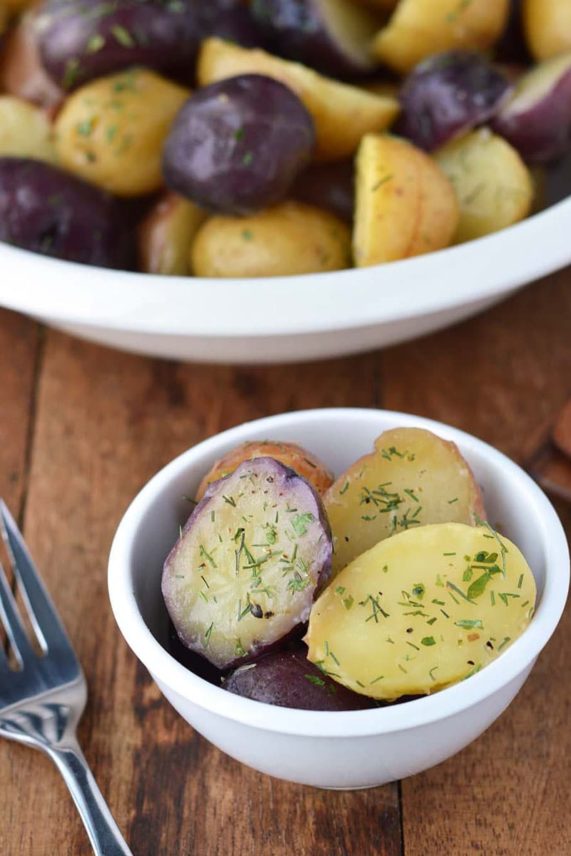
103,832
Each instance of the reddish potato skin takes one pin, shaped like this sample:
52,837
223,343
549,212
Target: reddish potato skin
299,460
330,186
21,70
288,679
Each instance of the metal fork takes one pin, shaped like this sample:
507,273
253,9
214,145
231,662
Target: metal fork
43,698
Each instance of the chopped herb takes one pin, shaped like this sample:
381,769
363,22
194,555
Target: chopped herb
248,158
123,36
434,668
469,623
315,680
230,500
207,635
344,489
301,523
520,581
428,641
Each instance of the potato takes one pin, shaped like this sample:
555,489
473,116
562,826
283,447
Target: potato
290,455
25,131
166,236
492,183
12,6
21,71
547,26
405,205
342,113
111,131
289,239
420,28
412,478
422,610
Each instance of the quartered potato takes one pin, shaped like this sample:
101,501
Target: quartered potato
342,113
422,610
412,478
25,131
547,25
405,205
166,236
419,28
493,185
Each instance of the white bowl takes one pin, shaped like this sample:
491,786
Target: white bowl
284,319
350,749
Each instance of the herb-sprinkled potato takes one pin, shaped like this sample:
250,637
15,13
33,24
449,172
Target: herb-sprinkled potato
420,28
405,205
286,240
547,25
422,610
25,131
290,455
493,185
111,131
166,236
412,478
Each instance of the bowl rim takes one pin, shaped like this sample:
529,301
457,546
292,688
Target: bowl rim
178,679
68,293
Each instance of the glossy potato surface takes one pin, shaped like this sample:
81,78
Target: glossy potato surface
166,236
547,26
412,478
25,131
422,610
405,205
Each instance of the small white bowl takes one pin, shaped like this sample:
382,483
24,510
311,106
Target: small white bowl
354,749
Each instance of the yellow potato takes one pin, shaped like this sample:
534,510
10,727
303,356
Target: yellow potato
421,611
166,236
405,206
493,185
547,25
25,131
111,131
342,113
289,239
412,478
420,28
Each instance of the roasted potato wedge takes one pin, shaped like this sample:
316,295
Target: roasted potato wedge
166,236
547,26
493,185
342,113
25,131
412,478
405,205
422,610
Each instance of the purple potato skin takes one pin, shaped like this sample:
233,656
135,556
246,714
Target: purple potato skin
230,20
447,95
48,211
330,186
80,40
237,145
541,132
288,679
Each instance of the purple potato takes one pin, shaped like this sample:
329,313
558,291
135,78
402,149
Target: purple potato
48,211
230,20
537,119
288,679
247,566
330,186
80,40
447,95
332,36
237,145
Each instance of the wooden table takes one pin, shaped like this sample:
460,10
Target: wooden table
82,428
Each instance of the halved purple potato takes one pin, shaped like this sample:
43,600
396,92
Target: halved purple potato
332,36
537,119
447,95
237,145
248,563
330,186
288,679
46,210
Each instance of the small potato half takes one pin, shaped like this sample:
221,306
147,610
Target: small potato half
412,478
286,240
494,187
166,236
420,28
547,25
405,205
25,131
111,131
422,610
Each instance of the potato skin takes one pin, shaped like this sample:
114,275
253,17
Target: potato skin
286,240
166,236
405,205
25,131
420,28
21,71
291,455
547,27
493,185
111,131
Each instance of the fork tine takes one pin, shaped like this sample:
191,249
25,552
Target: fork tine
12,621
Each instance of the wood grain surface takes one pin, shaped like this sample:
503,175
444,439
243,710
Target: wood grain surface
81,430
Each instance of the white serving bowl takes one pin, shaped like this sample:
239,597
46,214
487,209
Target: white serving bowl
334,750
285,318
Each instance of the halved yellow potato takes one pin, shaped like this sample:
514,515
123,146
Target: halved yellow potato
25,131
494,187
342,113
412,478
422,610
166,236
405,205
420,28
547,25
